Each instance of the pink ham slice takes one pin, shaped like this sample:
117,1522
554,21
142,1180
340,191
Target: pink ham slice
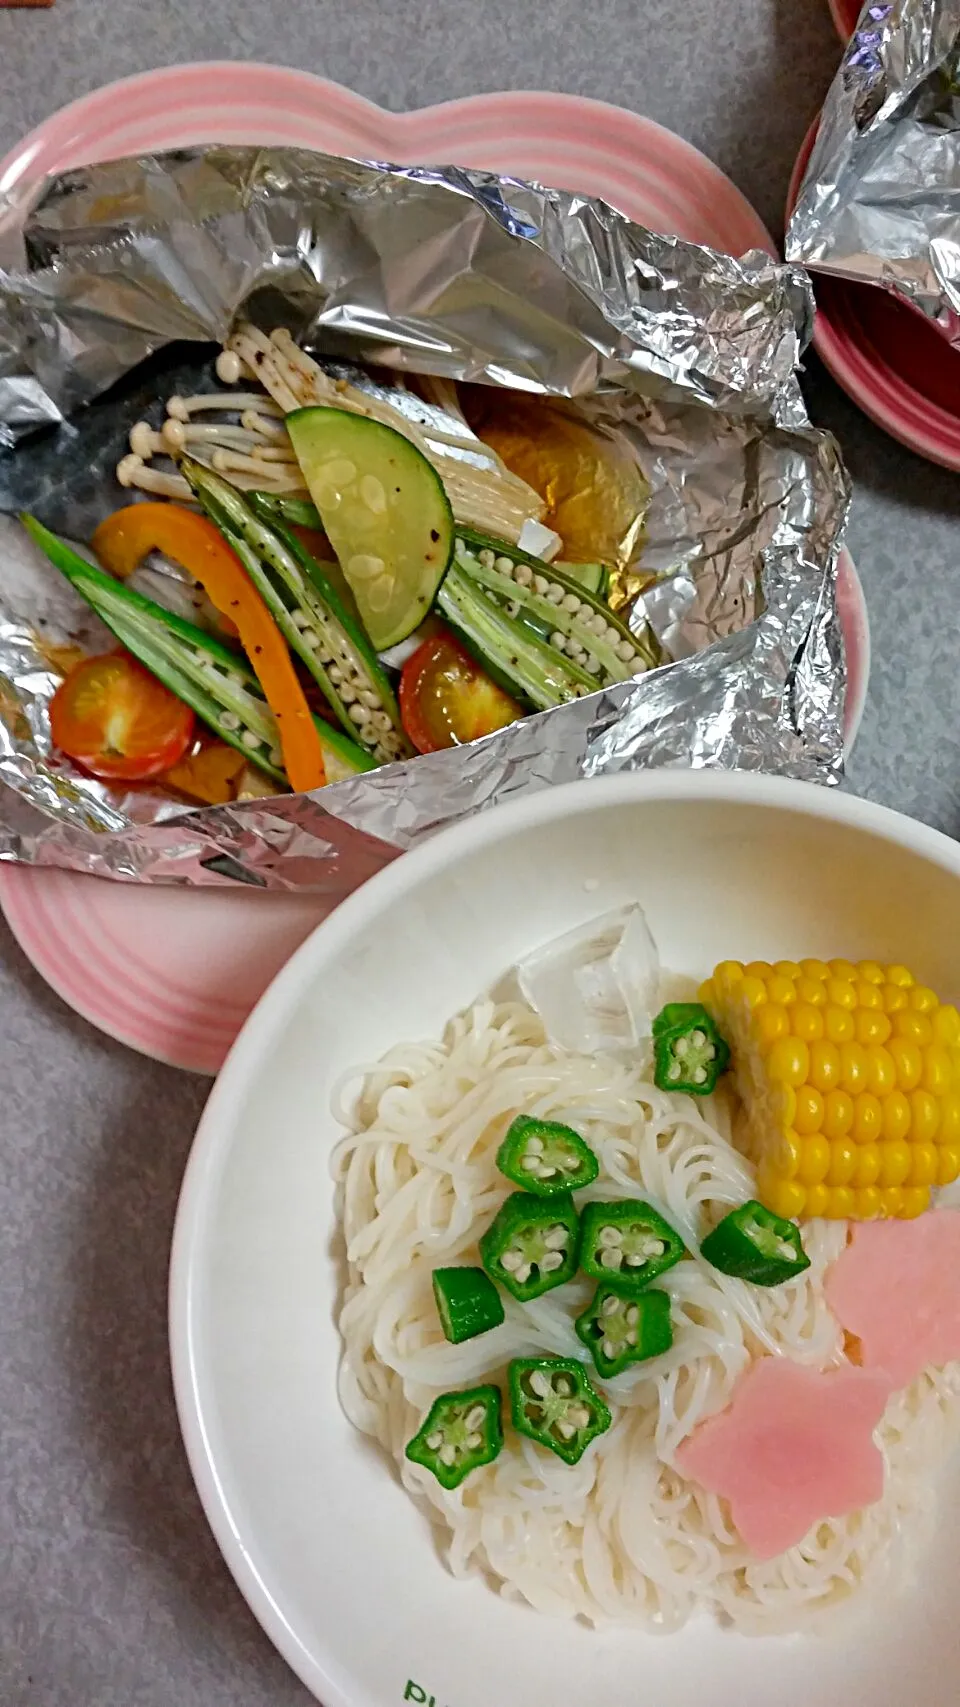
897,1288
794,1446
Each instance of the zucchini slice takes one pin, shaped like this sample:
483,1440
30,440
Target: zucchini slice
384,511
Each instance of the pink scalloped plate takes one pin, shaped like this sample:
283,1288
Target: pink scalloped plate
894,366
174,973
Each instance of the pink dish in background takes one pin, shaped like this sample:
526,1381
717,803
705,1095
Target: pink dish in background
173,972
895,366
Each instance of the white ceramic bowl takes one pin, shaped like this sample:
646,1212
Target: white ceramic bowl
334,1558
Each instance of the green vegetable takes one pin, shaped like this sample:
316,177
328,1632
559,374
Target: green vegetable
688,1052
627,1243
546,1157
300,512
468,1303
309,614
620,1330
518,660
217,683
531,1246
553,1402
594,576
275,507
754,1244
555,609
384,510
461,1432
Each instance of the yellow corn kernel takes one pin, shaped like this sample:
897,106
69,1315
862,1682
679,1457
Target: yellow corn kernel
946,1027
772,1021
815,1160
938,1075
867,1118
923,1164
839,1023
727,973
851,1076
872,1025
837,1113
871,972
914,1200
843,1162
924,1118
806,1021
786,1197
854,1067
812,968
896,1116
786,1157
882,1069
789,1061
867,1171
818,1197
824,1068
783,1106
948,1163
808,1110
894,1161
907,1061
916,1027
949,1118
841,994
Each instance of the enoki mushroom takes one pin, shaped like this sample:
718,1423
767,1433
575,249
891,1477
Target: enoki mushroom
252,448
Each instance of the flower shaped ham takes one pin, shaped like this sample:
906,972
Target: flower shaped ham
897,1288
794,1446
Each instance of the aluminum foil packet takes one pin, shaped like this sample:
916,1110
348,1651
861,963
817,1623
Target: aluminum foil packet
117,281
880,200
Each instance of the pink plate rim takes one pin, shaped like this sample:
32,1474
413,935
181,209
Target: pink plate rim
88,956
882,394
232,95
844,17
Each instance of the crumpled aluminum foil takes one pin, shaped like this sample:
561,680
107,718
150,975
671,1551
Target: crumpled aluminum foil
880,200
691,354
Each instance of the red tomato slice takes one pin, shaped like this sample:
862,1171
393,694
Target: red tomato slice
118,721
446,699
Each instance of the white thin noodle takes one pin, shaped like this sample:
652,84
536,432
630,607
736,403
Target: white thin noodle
622,1536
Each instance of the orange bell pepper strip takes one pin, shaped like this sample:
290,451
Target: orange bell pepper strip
125,539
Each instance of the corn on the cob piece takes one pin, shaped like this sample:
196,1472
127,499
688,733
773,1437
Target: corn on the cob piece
850,1080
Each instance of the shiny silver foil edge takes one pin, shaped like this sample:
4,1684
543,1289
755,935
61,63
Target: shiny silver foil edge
878,203
692,355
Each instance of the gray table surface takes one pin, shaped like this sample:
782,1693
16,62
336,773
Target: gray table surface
112,1592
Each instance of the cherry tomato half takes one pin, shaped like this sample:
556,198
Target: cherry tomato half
446,699
118,721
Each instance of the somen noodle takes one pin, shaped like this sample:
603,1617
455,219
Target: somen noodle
619,1536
